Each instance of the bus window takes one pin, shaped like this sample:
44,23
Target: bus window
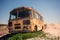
24,13
36,16
33,15
41,18
14,15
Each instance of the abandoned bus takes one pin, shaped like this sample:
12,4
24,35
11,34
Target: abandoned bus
24,19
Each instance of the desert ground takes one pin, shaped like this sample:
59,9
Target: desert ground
53,29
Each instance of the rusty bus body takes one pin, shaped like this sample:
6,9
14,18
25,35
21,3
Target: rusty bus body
24,19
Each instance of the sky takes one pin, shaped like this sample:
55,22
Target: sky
49,9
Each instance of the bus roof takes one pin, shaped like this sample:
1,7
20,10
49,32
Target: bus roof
24,8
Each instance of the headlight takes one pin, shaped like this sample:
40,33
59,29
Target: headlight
10,24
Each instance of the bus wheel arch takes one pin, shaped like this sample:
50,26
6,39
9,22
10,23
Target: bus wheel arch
35,28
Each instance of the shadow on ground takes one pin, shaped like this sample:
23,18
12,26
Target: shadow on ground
7,36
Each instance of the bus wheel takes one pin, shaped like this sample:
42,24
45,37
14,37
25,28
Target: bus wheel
35,28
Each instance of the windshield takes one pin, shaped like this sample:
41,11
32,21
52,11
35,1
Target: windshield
24,14
13,15
21,14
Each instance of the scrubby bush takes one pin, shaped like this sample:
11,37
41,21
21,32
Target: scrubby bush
22,36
